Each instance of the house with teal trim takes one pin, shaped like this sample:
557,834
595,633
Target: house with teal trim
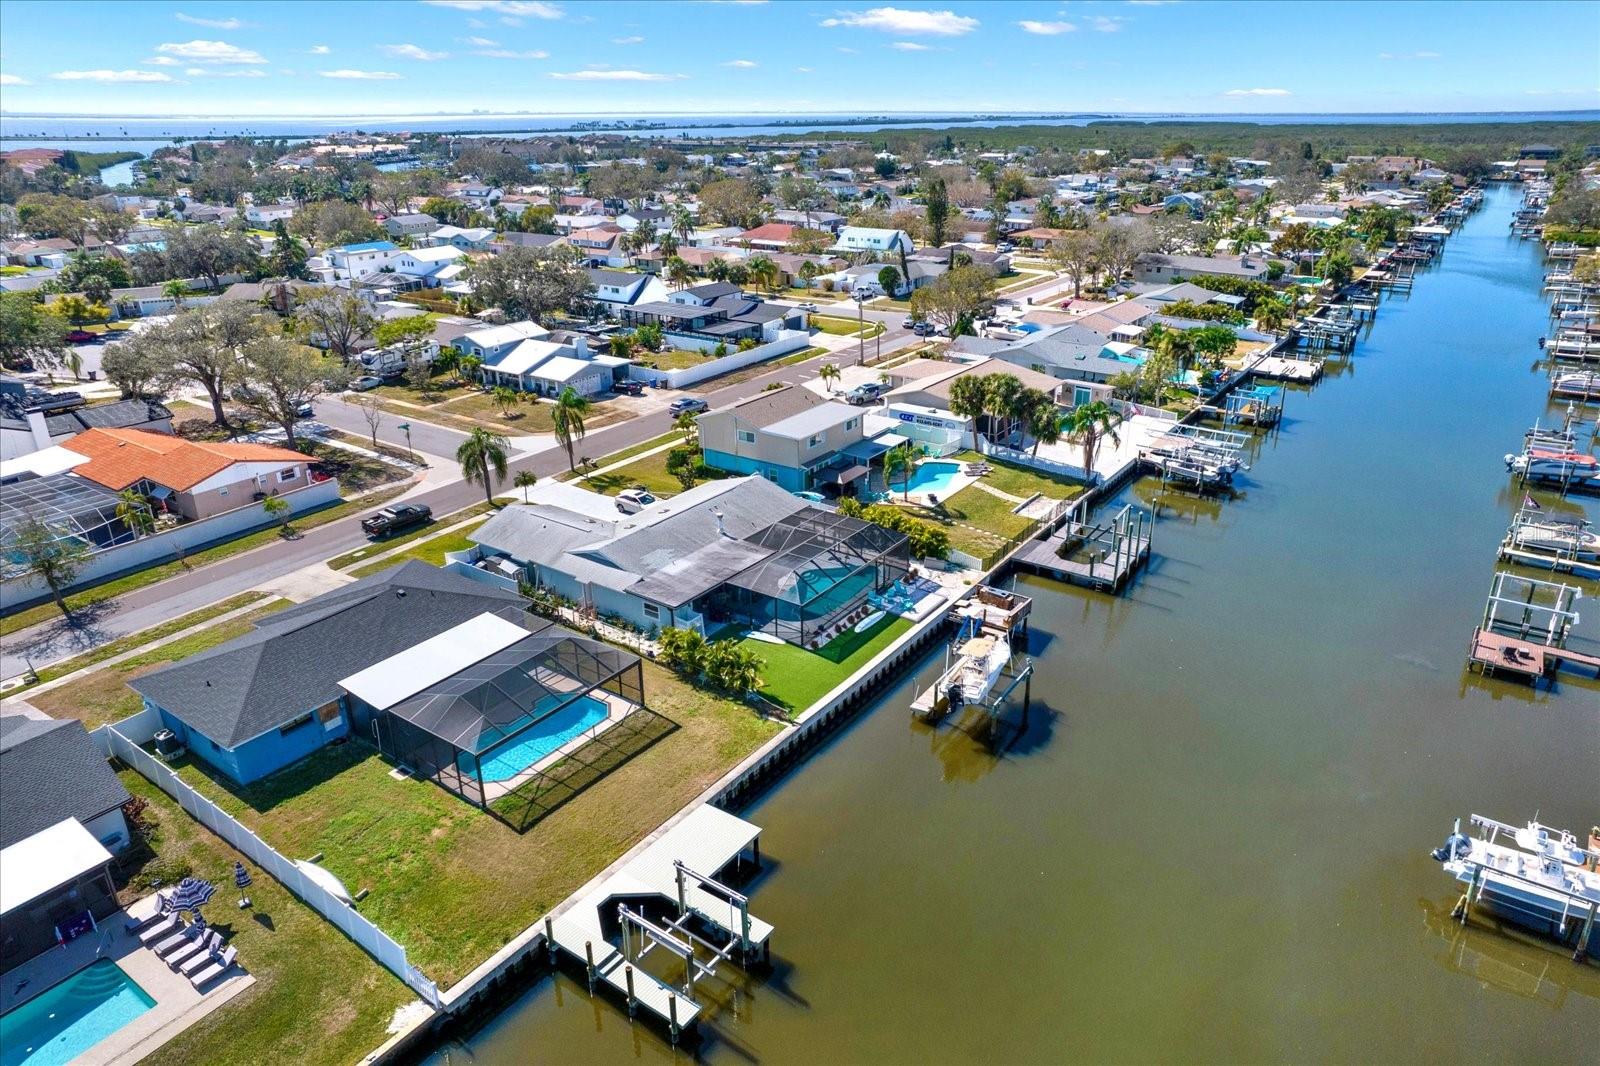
790,436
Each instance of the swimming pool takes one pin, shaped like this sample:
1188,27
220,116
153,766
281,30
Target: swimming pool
505,761
63,1022
931,476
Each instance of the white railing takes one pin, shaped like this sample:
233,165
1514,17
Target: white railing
372,940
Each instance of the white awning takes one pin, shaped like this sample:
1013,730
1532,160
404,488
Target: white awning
386,683
49,859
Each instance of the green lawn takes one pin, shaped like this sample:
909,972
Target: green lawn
104,696
44,612
439,389
797,678
674,358
1024,481
454,884
148,636
649,472
845,327
357,473
367,551
528,416
317,998
624,453
430,550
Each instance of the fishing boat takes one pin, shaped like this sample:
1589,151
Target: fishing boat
983,660
1567,537
1576,385
1548,464
1533,875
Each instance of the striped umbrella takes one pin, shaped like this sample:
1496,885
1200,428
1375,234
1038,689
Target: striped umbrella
241,879
192,893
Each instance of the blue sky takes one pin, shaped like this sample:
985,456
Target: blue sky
457,56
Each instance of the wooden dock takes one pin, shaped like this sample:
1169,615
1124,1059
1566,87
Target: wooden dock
1279,368
1493,653
1104,555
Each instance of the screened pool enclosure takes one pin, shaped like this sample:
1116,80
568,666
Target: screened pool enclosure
497,724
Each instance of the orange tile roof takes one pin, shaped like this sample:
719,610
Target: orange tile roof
120,457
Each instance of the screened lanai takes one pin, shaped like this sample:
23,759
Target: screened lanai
821,566
493,724
72,508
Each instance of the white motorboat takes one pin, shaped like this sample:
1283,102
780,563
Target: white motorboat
1571,538
1546,464
983,660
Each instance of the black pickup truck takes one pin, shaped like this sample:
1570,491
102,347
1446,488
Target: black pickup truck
394,519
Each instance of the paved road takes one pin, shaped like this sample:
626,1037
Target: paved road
149,606
337,411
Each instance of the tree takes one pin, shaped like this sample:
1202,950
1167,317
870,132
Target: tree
30,332
1121,246
1043,418
1088,422
937,209
334,222
281,377
483,453
401,330
678,272
336,320
1272,315
1213,343
568,418
288,259
468,365
1155,374
133,510
889,280
1076,254
525,480
732,202
506,399
968,398
763,271
829,374
682,651
687,423
373,414
210,251
135,364
77,310
955,298
531,283
203,346
1003,401
277,507
54,559
901,460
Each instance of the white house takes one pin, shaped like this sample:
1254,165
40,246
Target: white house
855,240
616,289
492,343
267,214
426,263
547,367
469,239
358,260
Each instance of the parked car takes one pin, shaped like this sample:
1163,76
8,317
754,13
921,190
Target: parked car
692,404
908,322
632,501
365,383
394,519
808,306
810,497
865,393
305,410
628,388
925,329
81,336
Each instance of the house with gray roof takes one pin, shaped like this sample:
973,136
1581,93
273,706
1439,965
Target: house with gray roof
1071,352
24,429
1162,268
254,705
52,771
790,436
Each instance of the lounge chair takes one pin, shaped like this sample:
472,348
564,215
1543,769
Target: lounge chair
187,935
139,925
195,963
205,944
163,928
220,964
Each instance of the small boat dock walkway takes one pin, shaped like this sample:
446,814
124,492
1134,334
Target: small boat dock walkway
1101,555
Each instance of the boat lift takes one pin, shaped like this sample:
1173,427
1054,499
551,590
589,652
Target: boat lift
952,690
1559,542
1525,628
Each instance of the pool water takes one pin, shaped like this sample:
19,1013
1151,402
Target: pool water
62,1023
932,476
503,762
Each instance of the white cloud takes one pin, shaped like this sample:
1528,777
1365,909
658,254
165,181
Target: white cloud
1106,23
211,52
635,39
319,50
910,46
742,64
509,53
360,75
1046,29
215,24
902,20
480,42
802,70
249,72
12,79
110,75
1258,92
162,61
1421,54
411,51
529,8
614,75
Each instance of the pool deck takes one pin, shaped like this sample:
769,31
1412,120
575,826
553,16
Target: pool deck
178,1004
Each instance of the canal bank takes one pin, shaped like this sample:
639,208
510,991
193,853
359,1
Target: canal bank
1210,839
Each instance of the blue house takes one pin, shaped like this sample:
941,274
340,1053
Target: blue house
256,704
790,436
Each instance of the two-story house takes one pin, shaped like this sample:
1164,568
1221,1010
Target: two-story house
790,436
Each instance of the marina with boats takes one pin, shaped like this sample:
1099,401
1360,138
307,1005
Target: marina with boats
1129,719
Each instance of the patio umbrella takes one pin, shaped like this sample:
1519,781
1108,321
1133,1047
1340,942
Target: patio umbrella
192,893
241,879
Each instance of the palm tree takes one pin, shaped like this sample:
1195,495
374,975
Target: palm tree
900,460
829,373
1001,395
1091,420
718,270
678,272
480,454
682,222
763,271
1272,314
1177,345
134,512
175,289
1042,420
505,398
688,424
568,417
467,367
525,480
967,399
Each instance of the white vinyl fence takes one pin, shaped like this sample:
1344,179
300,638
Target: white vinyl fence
373,941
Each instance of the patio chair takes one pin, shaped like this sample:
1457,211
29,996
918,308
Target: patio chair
220,964
164,926
195,963
207,942
187,934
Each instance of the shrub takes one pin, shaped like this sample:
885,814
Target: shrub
927,539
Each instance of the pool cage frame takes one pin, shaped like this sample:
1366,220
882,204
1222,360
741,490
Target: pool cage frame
446,732
72,509
771,595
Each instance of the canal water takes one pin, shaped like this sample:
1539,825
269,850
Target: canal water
1209,840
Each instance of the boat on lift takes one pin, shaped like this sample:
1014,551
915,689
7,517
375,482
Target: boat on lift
1567,537
1533,875
1549,464
983,659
